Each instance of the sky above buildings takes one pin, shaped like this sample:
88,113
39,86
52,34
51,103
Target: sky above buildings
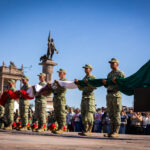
84,32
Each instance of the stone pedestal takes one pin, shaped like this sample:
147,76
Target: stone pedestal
47,68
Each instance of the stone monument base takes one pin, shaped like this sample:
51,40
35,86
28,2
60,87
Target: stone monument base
47,68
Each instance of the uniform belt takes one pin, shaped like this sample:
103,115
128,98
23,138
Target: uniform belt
88,93
111,91
56,94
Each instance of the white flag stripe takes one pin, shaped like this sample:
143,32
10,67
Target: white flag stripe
66,84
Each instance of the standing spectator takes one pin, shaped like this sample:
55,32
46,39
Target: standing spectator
136,122
106,123
69,119
128,126
97,121
145,123
148,125
77,120
124,118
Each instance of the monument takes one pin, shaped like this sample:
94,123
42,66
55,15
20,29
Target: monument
47,67
11,72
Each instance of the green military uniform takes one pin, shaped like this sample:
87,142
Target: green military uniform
87,103
59,103
40,108
113,99
24,107
30,119
2,111
9,109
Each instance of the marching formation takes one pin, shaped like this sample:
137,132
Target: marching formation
58,88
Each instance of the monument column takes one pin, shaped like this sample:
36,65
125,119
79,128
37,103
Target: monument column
47,67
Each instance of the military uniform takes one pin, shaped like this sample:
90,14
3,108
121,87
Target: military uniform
1,117
87,103
59,103
40,108
113,100
9,109
24,107
30,118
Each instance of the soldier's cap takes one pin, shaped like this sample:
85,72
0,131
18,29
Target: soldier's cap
42,74
87,66
25,77
114,60
61,70
11,81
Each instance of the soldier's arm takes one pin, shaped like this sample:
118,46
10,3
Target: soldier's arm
122,75
90,86
105,85
60,88
79,87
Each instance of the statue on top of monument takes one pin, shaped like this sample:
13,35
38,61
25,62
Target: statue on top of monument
50,51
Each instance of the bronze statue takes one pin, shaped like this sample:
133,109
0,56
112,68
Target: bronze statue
50,51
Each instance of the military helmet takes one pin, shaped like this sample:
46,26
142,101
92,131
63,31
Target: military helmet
42,74
114,60
61,70
11,81
88,66
25,77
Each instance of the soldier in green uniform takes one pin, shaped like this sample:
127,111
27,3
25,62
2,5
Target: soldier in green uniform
1,117
40,106
9,106
113,98
88,102
24,105
30,119
59,102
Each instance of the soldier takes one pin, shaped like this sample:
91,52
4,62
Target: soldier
59,102
113,98
88,102
9,106
24,105
30,119
40,106
1,117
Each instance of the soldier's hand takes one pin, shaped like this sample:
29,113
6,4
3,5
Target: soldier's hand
104,82
56,82
19,92
49,85
114,80
5,90
76,81
86,81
